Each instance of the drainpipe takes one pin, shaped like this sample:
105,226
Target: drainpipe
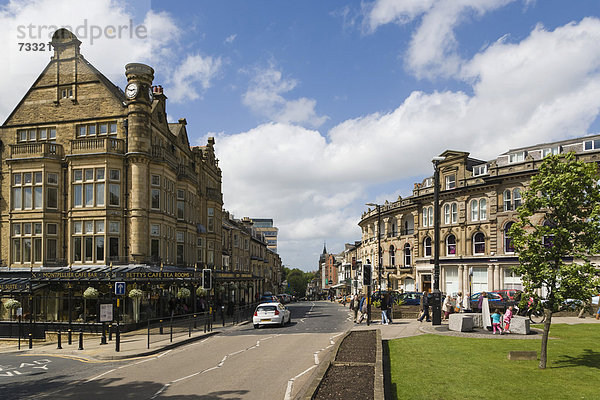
126,191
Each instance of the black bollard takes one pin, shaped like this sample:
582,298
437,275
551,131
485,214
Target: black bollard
195,322
117,339
103,338
30,341
59,347
69,337
80,340
161,327
110,331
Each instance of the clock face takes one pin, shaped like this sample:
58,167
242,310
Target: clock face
150,94
131,90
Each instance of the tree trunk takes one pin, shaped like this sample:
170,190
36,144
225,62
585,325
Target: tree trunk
544,351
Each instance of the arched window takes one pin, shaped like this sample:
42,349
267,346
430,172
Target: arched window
482,209
454,209
451,245
407,257
427,247
446,214
479,243
392,256
508,245
516,198
507,200
474,210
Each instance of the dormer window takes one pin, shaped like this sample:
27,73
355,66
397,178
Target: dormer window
516,157
450,181
591,144
480,170
428,182
550,151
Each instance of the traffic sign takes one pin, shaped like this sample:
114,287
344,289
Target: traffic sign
119,288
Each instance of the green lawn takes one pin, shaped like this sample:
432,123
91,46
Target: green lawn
445,367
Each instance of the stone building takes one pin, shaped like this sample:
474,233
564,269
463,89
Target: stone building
478,200
99,187
95,175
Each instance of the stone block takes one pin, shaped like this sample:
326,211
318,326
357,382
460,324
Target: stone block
522,355
477,320
520,325
460,322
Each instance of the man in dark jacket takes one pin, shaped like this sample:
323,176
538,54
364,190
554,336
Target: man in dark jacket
425,307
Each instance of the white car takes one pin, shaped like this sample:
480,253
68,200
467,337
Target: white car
271,314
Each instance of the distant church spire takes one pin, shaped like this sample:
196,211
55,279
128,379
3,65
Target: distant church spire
324,248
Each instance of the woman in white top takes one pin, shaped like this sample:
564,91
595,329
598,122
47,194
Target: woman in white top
447,306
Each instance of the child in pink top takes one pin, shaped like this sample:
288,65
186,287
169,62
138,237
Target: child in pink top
507,317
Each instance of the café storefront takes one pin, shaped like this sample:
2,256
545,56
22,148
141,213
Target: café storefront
62,295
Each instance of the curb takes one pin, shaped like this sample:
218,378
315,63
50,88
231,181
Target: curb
319,374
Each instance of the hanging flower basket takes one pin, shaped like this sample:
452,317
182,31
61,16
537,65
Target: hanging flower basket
136,294
12,304
183,293
200,292
90,293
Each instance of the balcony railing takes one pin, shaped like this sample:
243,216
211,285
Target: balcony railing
97,145
49,150
213,194
162,154
183,171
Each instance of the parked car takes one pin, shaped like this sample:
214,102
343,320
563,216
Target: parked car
410,298
273,313
268,298
497,299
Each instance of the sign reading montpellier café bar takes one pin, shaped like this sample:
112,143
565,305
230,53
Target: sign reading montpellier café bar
132,275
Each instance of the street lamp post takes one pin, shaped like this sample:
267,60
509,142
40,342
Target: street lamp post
437,296
379,264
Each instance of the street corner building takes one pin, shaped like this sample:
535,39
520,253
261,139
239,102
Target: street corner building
98,187
478,201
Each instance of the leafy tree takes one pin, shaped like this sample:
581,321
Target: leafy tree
297,281
558,229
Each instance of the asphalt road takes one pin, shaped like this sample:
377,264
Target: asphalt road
245,363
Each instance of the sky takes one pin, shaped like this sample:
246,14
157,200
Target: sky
320,106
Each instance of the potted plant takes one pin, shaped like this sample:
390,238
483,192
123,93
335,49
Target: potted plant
183,293
136,295
200,292
11,305
89,293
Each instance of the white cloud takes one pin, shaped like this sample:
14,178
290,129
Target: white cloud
265,97
544,88
229,39
112,33
432,51
194,69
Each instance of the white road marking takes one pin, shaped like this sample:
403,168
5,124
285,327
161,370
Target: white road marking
212,368
102,374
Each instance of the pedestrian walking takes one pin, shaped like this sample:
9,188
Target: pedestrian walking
355,305
507,318
424,307
480,301
362,305
384,309
448,307
496,318
459,306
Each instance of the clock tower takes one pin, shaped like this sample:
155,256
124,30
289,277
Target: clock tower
139,131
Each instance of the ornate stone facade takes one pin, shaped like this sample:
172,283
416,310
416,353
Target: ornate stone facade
477,205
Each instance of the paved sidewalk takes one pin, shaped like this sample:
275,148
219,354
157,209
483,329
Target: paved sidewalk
132,345
411,327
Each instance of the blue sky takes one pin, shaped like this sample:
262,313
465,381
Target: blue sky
320,106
